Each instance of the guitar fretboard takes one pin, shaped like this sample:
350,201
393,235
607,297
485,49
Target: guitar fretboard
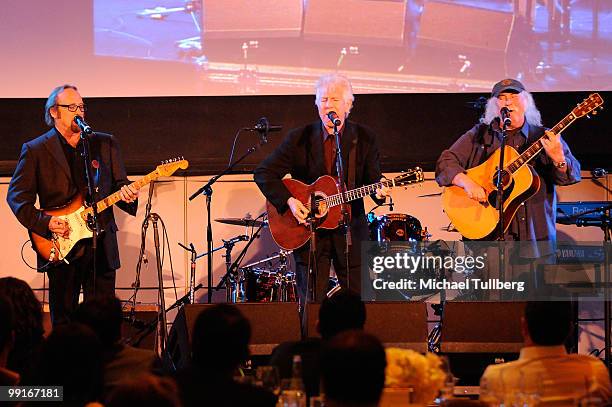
353,194
116,196
537,146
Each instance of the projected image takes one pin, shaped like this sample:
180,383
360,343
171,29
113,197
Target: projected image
280,46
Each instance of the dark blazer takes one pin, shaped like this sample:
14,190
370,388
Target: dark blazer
42,170
301,155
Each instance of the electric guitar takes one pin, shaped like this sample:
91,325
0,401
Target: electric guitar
290,235
477,220
77,215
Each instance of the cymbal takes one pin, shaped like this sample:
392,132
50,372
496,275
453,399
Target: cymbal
241,221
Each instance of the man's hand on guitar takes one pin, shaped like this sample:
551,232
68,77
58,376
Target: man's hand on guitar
128,193
59,227
471,188
383,192
553,147
299,211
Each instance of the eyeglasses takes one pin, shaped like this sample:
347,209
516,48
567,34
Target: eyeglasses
73,107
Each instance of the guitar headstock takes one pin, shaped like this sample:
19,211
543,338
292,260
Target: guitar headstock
168,167
411,176
589,105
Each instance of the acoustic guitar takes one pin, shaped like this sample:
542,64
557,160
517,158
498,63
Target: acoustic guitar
290,235
77,215
480,220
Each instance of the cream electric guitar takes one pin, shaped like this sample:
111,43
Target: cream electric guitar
476,220
76,214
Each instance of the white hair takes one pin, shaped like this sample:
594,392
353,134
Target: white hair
532,114
332,80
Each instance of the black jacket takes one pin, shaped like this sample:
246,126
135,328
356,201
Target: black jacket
43,171
301,155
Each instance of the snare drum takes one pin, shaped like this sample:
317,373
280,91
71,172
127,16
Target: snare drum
395,227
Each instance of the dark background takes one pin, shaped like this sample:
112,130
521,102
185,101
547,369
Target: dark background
413,129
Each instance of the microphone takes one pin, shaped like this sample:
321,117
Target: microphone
333,117
599,172
505,116
263,126
82,125
234,240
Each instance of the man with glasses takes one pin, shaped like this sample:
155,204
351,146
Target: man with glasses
51,167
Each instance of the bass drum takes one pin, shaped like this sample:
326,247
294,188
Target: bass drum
395,227
264,285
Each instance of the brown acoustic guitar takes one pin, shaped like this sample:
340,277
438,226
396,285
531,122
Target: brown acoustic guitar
76,214
290,235
476,220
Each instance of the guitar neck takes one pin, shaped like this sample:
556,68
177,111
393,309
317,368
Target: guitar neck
357,193
536,147
116,197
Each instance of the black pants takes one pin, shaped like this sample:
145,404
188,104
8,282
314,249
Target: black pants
66,281
330,249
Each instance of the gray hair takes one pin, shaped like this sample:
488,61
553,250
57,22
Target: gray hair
532,114
332,80
52,100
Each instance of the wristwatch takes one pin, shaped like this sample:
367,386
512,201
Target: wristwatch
560,164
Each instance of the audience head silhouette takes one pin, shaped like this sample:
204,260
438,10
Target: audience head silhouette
221,336
547,323
341,312
104,316
353,369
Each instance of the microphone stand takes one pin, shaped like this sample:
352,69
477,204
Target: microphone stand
141,256
207,191
92,188
345,214
500,201
191,249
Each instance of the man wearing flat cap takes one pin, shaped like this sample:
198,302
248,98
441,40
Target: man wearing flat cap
535,219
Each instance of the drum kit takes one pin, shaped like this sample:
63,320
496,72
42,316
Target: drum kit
272,280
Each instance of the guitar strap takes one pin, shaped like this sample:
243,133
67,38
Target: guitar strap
352,162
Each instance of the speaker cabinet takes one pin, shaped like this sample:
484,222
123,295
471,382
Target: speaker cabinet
271,324
459,26
397,324
362,21
250,19
482,327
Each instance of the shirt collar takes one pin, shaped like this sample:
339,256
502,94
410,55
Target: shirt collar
525,129
534,352
63,140
326,135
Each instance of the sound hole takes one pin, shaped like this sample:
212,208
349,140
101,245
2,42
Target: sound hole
506,179
321,208
492,198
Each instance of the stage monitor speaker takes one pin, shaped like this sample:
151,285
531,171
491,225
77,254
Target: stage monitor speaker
379,22
459,26
482,327
397,324
271,324
250,19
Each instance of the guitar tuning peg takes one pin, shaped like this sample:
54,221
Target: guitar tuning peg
595,112
588,116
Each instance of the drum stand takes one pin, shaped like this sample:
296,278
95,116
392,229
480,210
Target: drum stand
231,267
